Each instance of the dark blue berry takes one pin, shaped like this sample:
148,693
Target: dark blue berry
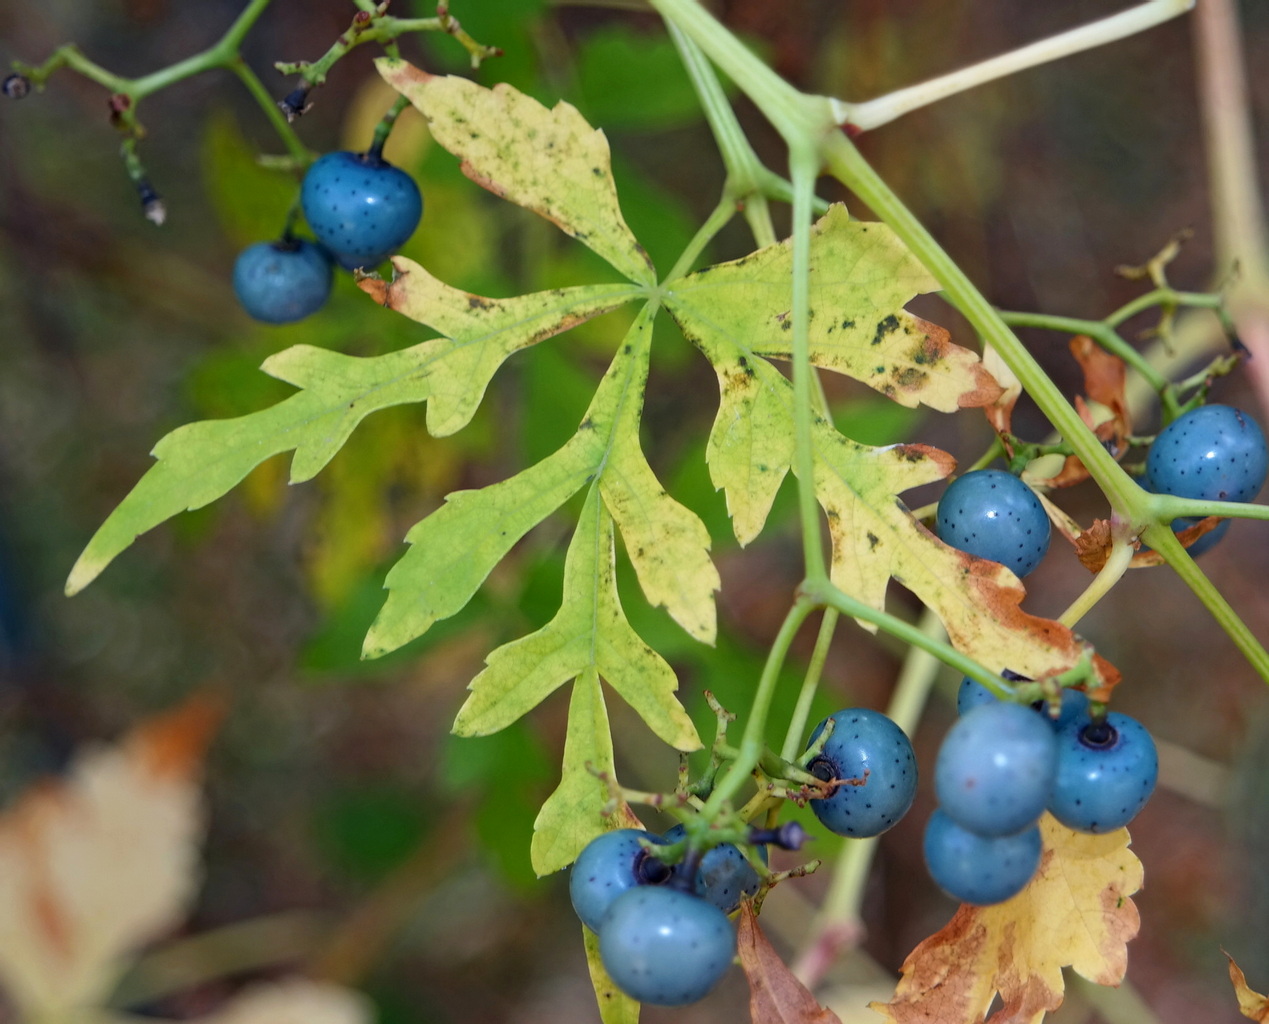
281,282
665,947
868,746
608,866
724,875
360,207
995,769
978,869
972,694
992,514
1213,453
1106,772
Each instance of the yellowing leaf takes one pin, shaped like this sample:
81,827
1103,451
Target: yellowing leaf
861,276
480,333
775,994
1075,913
550,161
667,543
295,1001
615,1007
1250,1002
96,865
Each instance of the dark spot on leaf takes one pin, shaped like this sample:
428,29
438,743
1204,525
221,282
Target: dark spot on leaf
910,377
884,327
873,541
847,324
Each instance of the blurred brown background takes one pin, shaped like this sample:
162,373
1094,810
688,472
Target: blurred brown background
335,788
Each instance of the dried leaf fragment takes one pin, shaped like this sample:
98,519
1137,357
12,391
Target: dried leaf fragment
775,994
95,865
1250,1002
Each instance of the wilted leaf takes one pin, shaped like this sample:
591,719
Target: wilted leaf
295,1001
1250,1002
775,994
1000,412
1075,913
95,865
1105,377
615,1007
861,276
550,161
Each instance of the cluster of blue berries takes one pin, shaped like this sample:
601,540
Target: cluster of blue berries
360,207
664,936
1003,765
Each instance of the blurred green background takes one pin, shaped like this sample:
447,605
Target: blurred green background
335,789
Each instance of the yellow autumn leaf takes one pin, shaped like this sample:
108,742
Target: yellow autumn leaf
97,864
1075,913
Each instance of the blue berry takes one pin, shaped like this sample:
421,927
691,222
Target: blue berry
1074,707
864,742
724,875
1106,772
281,282
978,869
360,207
992,514
972,694
995,769
665,947
608,866
1214,453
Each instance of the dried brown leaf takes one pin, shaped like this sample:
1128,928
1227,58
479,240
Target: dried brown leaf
775,994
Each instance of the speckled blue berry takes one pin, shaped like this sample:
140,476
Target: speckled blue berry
665,947
608,866
281,282
1214,452
360,207
724,876
864,742
1106,772
972,694
979,869
994,515
995,769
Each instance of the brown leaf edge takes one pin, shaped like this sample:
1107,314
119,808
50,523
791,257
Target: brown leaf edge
775,994
1251,1003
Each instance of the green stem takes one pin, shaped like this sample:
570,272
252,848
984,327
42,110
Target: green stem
272,112
1166,507
810,685
1163,540
839,913
1100,331
219,55
749,754
804,166
1166,297
914,636
1121,553
717,220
